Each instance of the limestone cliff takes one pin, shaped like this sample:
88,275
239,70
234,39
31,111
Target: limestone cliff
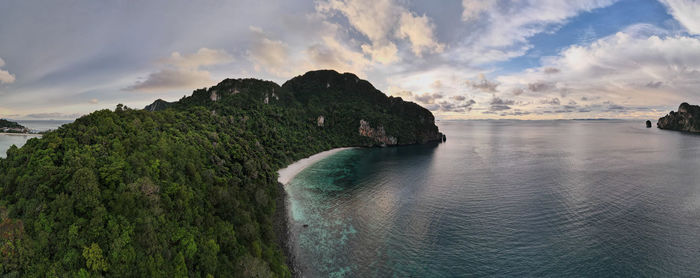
686,119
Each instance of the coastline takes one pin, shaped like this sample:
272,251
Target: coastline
20,134
288,173
282,212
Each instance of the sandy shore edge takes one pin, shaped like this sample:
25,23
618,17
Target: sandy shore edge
282,213
287,174
20,134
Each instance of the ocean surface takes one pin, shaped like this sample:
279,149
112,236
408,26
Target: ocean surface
7,140
505,199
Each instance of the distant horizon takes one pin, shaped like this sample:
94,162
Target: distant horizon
464,59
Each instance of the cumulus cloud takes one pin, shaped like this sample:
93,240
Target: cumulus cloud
459,98
428,98
540,86
474,8
501,29
687,12
5,76
498,104
517,91
267,54
551,70
552,101
483,84
459,106
382,22
182,71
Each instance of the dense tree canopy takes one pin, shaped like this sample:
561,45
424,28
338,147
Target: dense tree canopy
188,190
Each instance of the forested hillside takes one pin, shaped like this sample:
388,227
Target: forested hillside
185,188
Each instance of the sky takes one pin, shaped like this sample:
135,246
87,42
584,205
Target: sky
462,59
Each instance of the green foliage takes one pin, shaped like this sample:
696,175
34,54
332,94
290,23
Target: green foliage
188,191
9,124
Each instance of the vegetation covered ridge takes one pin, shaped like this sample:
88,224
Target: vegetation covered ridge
183,189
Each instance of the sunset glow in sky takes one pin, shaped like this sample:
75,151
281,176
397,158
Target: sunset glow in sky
471,59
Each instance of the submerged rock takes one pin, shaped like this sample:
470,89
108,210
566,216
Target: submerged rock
686,119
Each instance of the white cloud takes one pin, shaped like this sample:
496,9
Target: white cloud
382,22
687,12
419,30
183,71
500,29
5,76
629,69
474,8
270,55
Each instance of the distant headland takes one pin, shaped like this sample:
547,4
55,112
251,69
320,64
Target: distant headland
8,126
686,119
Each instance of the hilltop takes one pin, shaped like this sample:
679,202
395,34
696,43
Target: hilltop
186,188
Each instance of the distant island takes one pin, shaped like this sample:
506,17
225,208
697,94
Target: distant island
12,127
686,119
186,188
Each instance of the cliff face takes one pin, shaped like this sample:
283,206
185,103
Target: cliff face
342,100
346,100
686,119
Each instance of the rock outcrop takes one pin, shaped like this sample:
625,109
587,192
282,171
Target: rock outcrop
157,105
686,119
648,124
378,134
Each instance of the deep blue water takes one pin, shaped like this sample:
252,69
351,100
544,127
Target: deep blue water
505,199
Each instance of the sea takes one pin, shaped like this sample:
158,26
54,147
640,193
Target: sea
569,198
7,140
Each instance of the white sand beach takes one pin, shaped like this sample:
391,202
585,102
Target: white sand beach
287,174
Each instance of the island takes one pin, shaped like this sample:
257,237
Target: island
686,119
12,127
185,188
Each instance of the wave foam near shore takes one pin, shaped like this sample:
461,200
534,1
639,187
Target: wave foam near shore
287,174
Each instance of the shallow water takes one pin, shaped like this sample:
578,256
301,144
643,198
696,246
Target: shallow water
505,198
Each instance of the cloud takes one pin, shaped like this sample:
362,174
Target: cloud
552,101
483,84
182,71
460,106
93,101
687,12
500,29
653,84
5,76
517,91
419,31
266,54
550,70
459,98
474,8
428,98
331,54
498,104
382,22
540,86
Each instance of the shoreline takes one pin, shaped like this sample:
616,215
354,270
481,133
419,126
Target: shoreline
20,134
292,170
282,215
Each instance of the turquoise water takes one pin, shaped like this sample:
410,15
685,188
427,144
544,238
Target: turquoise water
7,140
505,199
